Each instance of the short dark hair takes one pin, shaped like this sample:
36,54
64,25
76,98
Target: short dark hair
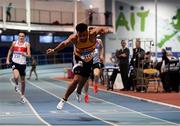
81,27
24,32
123,40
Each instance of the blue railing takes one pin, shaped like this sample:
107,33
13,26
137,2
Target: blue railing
43,59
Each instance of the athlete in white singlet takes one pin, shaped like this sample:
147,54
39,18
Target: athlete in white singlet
20,50
96,69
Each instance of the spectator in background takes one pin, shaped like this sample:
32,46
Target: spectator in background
33,69
138,55
113,58
169,73
137,64
107,14
8,12
123,56
91,12
163,71
148,62
112,78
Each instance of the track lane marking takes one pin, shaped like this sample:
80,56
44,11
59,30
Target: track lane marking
72,104
103,101
32,108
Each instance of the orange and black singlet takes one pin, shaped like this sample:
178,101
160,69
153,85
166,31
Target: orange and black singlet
85,50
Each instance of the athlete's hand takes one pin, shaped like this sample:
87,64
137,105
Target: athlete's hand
101,59
50,51
7,62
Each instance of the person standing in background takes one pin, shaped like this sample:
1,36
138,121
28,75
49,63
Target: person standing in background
138,55
107,15
33,69
91,12
163,71
137,63
123,56
8,12
115,62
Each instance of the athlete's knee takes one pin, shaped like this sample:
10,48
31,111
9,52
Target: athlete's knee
16,76
97,74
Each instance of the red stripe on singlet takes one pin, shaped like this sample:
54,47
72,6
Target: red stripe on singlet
19,49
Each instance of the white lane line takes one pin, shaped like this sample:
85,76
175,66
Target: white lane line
105,102
33,110
142,99
72,104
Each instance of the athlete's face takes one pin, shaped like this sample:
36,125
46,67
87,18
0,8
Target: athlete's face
83,36
21,37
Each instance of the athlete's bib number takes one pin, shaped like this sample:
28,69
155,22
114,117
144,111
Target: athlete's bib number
87,56
19,58
17,55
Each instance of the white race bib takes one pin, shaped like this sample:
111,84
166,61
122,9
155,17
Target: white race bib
87,55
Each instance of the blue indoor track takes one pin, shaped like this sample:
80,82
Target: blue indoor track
104,108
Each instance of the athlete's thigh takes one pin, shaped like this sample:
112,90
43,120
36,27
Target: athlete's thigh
15,73
96,68
77,78
15,69
83,81
87,67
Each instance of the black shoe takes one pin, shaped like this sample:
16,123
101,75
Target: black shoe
124,89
